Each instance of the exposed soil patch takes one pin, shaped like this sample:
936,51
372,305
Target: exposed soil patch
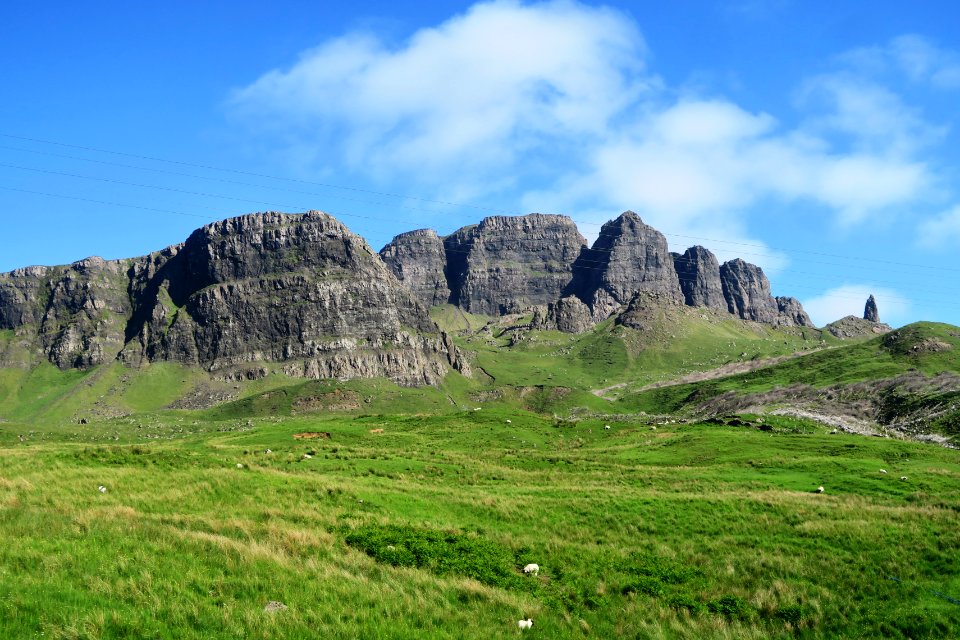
312,435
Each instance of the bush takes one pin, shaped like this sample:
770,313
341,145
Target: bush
731,607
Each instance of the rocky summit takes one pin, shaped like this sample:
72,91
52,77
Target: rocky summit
303,293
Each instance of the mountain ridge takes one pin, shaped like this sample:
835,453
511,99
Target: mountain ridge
304,292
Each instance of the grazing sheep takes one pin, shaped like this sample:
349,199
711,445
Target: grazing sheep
532,568
268,451
819,489
525,624
509,421
307,456
606,426
239,466
883,470
903,477
102,489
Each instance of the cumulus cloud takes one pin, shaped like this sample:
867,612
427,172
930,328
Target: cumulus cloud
475,93
849,299
552,105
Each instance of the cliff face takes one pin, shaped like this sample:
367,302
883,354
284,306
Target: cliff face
75,313
418,260
699,274
295,289
747,292
627,257
507,264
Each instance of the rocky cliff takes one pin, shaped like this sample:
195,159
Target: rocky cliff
747,292
508,264
627,257
419,261
699,274
301,290
304,292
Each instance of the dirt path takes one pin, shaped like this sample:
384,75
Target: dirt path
729,369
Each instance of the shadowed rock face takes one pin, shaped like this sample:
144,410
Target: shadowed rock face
699,274
297,289
747,292
419,261
627,257
507,264
870,311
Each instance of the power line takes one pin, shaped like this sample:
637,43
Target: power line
426,200
463,252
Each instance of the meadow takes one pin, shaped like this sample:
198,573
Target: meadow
407,525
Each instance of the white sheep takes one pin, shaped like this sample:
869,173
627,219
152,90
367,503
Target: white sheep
532,568
819,489
903,477
307,456
509,421
606,426
525,624
102,489
268,451
239,466
883,470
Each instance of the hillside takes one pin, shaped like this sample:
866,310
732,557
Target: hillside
906,380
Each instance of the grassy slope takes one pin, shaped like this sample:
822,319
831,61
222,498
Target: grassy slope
877,359
684,532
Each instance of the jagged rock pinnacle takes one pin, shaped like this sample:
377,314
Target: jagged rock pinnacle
870,310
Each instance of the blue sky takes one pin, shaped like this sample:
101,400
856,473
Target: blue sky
816,139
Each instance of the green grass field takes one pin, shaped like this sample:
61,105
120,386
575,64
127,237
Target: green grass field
413,511
683,531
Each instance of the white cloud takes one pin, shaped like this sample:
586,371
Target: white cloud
475,93
551,104
942,231
849,299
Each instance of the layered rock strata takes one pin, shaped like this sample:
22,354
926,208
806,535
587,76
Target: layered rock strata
508,264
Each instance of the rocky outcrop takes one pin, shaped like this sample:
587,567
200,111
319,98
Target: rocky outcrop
699,274
568,314
791,313
854,327
627,257
418,260
870,312
747,292
298,289
301,290
76,313
508,264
